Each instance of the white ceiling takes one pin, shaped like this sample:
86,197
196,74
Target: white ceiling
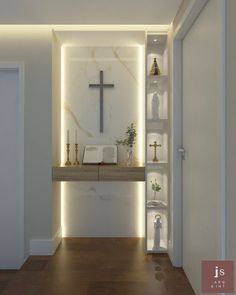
88,11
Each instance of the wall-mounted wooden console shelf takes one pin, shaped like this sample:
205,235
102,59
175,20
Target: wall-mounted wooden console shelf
99,173
77,173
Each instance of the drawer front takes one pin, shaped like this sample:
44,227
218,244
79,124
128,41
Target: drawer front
122,173
75,173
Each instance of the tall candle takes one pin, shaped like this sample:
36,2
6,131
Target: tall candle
68,136
75,136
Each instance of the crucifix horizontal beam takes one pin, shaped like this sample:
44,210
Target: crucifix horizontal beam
101,86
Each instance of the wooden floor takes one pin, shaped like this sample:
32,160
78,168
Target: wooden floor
91,266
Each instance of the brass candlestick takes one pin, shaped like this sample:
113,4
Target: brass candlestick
76,154
155,145
68,163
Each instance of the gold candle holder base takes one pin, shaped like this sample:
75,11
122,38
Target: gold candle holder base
68,163
76,163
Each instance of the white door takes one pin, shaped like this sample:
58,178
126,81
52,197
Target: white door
11,169
202,94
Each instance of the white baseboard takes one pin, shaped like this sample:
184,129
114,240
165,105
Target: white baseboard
45,246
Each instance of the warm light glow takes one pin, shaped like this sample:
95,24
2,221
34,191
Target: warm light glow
62,137
155,40
141,143
62,105
63,224
161,29
35,31
141,106
141,208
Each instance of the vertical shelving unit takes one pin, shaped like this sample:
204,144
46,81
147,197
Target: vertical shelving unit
157,130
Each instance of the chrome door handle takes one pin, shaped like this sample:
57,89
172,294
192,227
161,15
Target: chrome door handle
182,151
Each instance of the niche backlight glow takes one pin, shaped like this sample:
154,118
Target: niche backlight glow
140,141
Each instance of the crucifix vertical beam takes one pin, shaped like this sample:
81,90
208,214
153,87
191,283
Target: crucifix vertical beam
101,86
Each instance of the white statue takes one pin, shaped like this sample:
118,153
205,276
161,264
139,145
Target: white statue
155,106
157,232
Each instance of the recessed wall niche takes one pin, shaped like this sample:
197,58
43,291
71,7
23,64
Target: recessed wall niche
157,142
120,55
120,66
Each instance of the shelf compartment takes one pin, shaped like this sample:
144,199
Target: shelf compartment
162,249
154,79
162,152
158,55
157,105
157,129
159,44
156,204
161,178
150,229
157,125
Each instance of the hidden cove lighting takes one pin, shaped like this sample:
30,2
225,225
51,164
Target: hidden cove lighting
62,138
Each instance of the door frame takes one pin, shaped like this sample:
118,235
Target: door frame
190,15
19,67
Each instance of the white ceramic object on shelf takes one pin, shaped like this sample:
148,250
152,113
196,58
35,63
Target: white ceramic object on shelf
155,106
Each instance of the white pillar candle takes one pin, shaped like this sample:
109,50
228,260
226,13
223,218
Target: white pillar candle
75,136
68,136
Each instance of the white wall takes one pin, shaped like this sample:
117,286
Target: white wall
231,136
202,139
56,142
33,47
175,199
12,167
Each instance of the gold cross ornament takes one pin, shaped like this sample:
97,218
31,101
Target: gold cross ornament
155,145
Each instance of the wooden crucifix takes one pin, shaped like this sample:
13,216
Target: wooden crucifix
101,85
155,145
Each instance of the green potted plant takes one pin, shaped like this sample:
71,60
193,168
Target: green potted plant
155,187
129,141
